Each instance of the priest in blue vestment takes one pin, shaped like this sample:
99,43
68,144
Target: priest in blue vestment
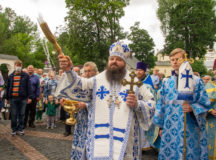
169,116
149,138
141,69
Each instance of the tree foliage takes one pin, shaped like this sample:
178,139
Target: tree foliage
19,37
188,24
92,27
210,73
3,68
198,66
104,14
142,44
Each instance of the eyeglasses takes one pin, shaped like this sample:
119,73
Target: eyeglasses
87,71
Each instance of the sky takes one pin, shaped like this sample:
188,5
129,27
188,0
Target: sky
54,11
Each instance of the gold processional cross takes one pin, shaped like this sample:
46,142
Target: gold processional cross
130,91
131,83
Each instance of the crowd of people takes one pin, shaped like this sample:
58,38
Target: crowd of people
112,123
30,92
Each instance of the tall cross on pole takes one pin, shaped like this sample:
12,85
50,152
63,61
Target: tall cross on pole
131,83
187,76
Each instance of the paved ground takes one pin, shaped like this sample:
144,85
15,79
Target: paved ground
37,144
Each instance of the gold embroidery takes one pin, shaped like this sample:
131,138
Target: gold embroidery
211,125
210,147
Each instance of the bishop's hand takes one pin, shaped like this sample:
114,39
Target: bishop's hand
65,62
131,101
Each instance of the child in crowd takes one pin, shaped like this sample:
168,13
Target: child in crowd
39,109
50,88
51,106
50,85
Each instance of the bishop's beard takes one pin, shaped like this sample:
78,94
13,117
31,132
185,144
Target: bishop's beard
115,75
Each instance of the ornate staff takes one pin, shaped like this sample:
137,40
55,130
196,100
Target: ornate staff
131,83
187,76
45,28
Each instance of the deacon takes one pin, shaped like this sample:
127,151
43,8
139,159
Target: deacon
114,117
169,114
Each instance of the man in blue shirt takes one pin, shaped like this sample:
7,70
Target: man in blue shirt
30,111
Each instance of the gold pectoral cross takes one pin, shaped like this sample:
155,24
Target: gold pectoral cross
117,102
110,100
131,83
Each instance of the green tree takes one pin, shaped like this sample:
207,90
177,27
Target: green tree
92,27
3,68
188,24
24,25
19,36
142,44
38,56
198,66
105,15
4,27
210,73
